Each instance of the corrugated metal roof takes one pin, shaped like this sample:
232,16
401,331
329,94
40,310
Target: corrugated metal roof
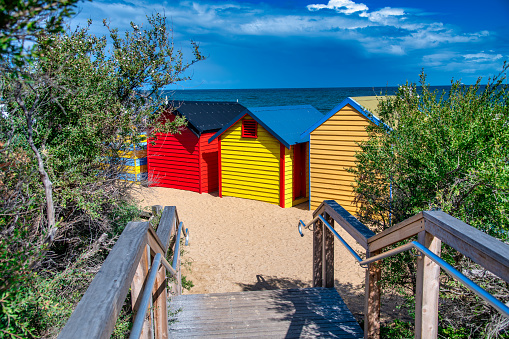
208,116
285,123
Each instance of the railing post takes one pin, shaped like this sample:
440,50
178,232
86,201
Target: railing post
160,299
372,299
323,254
318,253
427,289
137,287
328,269
160,293
179,277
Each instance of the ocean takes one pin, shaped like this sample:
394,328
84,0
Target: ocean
323,99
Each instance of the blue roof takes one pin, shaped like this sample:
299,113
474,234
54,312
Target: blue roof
348,101
285,123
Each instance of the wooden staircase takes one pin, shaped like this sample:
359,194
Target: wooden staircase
292,313
295,313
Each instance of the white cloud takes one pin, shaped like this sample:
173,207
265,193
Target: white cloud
482,57
465,63
384,16
340,6
387,30
298,26
438,59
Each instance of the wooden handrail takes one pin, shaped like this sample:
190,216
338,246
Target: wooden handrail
404,230
431,228
127,266
354,227
483,249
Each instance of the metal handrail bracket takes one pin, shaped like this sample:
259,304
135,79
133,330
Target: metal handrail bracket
308,225
167,265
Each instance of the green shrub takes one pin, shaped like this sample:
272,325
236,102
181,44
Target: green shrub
446,151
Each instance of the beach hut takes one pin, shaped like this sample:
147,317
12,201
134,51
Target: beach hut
187,160
333,143
262,155
135,161
130,162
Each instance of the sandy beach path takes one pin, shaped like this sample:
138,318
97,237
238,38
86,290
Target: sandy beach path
240,244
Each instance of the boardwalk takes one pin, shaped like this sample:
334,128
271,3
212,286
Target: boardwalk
294,313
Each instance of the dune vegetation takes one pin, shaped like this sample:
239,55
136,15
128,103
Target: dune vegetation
71,102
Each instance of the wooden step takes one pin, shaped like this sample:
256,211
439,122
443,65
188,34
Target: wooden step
293,313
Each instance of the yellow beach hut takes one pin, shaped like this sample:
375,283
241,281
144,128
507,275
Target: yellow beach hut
262,155
130,162
333,143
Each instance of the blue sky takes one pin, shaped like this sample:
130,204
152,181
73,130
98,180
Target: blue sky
325,43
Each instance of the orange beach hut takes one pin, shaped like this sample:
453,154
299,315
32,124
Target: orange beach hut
332,147
262,155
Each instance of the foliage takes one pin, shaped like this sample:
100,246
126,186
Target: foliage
186,283
444,151
398,329
70,112
23,21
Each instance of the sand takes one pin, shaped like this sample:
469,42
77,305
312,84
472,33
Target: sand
241,244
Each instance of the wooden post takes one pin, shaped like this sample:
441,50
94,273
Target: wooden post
137,287
179,278
156,210
323,254
176,281
318,253
427,289
165,230
329,253
372,299
160,299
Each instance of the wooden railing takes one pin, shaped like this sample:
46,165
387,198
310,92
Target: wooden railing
129,264
431,228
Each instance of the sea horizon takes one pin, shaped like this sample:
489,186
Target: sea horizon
322,98
295,88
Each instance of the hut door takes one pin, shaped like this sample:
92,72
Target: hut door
299,171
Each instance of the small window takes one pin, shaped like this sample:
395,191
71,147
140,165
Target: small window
249,128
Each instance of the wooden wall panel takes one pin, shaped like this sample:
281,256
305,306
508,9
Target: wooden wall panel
250,166
333,145
173,161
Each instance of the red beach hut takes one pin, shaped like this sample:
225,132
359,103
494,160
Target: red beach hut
187,160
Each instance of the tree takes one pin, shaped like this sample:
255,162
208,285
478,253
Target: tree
69,112
23,21
443,151
49,96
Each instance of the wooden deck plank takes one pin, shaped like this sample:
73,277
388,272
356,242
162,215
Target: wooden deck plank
199,321
294,313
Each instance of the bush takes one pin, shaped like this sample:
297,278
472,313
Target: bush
444,151
70,105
